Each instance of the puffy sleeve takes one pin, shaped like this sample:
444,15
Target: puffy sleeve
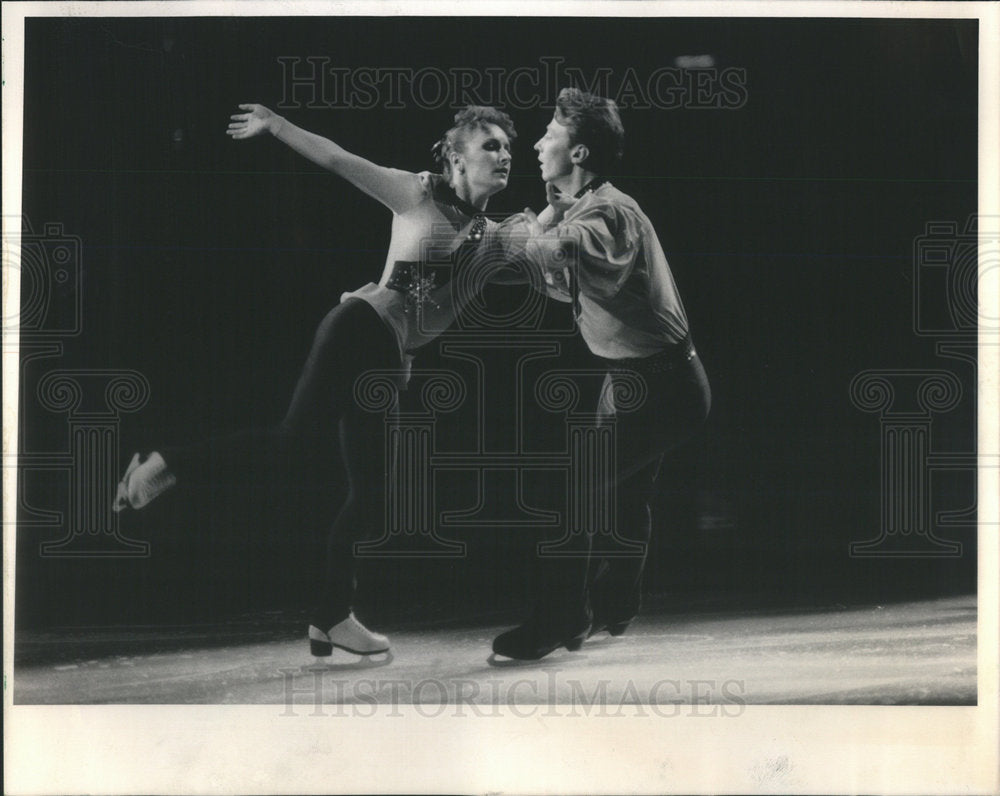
599,245
509,239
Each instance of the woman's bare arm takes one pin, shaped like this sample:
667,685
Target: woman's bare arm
398,190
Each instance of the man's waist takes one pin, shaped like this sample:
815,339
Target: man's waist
667,357
621,341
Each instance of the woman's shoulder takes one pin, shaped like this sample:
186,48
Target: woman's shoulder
429,183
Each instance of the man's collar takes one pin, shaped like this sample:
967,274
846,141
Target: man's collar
593,185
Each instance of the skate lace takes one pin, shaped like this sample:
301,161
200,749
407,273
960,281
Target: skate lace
354,623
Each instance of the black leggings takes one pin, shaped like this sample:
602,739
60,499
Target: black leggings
676,404
351,340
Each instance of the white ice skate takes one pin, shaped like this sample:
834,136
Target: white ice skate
348,635
144,481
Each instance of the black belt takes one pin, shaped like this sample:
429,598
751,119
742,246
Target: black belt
663,361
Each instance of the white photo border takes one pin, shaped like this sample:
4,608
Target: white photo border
225,749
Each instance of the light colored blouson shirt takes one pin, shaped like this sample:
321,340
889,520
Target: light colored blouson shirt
606,255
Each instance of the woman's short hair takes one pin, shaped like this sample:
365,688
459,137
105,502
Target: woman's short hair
594,122
474,117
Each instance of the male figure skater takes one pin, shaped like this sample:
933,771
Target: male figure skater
596,248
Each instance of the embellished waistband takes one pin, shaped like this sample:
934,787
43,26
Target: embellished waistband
407,276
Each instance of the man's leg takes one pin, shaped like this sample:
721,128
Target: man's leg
560,615
615,588
677,402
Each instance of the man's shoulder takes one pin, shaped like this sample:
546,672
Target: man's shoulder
614,195
611,201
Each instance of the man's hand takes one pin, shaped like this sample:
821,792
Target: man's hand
558,201
555,270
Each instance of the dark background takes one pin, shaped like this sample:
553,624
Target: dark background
206,265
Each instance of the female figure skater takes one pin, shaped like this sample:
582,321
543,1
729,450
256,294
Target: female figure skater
375,327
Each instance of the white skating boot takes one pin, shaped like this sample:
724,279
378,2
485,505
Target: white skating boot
144,481
348,635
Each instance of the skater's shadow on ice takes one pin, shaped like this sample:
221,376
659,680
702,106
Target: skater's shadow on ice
499,662
353,663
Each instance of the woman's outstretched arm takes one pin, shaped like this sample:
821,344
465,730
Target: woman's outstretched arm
398,190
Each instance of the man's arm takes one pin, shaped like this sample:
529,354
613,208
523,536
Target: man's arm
513,236
594,247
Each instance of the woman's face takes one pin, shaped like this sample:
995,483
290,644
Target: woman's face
485,158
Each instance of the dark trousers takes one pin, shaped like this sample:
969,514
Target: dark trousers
608,572
323,413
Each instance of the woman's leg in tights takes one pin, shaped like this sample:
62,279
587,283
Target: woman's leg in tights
350,340
362,445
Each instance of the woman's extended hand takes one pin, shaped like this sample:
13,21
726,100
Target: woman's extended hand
257,120
534,225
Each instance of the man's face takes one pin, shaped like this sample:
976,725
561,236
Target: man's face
554,152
